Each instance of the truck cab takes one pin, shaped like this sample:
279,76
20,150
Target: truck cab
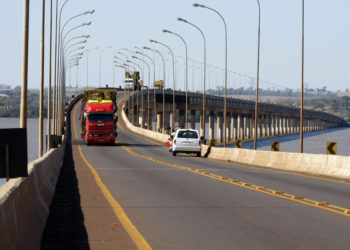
98,120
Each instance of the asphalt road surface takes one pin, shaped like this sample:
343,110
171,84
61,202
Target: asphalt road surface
174,208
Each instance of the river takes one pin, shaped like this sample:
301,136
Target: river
32,136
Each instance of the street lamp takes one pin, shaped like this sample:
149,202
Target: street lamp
186,74
137,96
81,42
161,56
204,75
257,85
225,98
302,85
149,86
172,55
74,38
149,79
99,83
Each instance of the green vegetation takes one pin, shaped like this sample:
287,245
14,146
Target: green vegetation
10,101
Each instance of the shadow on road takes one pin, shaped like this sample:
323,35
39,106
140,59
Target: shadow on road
65,227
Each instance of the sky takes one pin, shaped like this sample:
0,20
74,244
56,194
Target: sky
126,24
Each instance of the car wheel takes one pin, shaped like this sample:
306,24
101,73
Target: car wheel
174,153
198,154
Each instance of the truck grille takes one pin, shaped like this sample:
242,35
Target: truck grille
101,130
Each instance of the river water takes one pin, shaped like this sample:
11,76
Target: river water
32,136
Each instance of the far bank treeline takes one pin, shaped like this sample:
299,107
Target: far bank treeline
10,103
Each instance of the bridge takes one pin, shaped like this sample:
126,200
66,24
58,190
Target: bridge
274,120
134,194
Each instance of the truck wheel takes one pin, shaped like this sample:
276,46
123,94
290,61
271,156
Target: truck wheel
174,153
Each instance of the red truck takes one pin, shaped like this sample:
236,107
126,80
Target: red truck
98,117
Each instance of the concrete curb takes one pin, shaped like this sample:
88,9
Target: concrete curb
25,202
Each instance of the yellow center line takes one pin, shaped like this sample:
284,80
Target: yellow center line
129,227
295,198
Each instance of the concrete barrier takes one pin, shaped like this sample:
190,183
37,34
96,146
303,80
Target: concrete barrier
326,165
159,137
25,202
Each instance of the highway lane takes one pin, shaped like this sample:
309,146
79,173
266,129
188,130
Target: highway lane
176,209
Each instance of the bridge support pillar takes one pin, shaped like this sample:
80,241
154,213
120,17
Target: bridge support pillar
278,128
167,120
268,125
228,128
249,126
259,135
273,125
219,127
142,116
240,126
244,134
170,121
201,128
233,125
182,118
211,125
159,121
193,119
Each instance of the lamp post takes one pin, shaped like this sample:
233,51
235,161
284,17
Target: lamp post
225,98
87,65
161,56
137,103
74,38
149,86
172,55
204,74
149,79
57,57
99,82
70,46
302,84
186,74
49,87
41,99
257,85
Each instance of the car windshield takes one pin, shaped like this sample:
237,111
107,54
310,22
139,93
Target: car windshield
100,118
187,134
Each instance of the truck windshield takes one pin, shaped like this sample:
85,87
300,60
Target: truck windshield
187,134
100,118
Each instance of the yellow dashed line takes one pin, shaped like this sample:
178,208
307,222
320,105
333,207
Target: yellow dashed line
280,194
129,227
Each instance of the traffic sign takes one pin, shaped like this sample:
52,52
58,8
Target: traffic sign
331,148
275,146
238,143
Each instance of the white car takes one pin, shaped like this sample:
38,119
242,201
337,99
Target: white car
185,141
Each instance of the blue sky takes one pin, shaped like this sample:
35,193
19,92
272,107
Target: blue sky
125,24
